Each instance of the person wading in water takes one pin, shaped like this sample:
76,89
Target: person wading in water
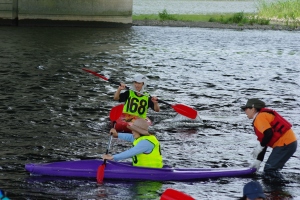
273,131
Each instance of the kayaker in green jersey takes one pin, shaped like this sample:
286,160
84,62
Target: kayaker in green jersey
146,148
137,101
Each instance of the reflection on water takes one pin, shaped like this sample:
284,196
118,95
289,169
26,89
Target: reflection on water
146,190
67,188
52,110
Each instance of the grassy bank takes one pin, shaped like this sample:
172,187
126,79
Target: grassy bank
286,12
230,18
165,16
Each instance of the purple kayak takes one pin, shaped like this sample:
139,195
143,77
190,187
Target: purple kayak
125,171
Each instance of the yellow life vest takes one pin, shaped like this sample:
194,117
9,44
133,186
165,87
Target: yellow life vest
153,159
136,105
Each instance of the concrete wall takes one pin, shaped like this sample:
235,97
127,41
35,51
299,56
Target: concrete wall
8,12
67,12
6,8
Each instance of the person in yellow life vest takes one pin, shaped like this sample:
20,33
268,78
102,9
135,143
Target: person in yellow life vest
273,131
137,101
146,148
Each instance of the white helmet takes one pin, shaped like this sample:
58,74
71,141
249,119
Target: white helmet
141,79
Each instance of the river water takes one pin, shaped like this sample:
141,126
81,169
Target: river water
51,110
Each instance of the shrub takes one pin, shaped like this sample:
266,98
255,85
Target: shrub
164,15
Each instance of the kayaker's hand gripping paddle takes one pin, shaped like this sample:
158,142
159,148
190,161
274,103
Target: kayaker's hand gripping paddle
179,108
114,114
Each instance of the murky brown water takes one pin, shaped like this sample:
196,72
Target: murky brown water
52,110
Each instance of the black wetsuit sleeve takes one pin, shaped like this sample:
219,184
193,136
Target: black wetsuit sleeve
261,155
124,96
150,103
268,134
266,139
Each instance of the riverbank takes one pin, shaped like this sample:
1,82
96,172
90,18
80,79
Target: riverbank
201,24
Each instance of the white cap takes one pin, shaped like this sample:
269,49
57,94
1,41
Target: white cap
140,79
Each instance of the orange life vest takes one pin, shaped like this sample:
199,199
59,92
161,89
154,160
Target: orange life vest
279,127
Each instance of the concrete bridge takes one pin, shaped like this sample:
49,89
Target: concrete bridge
96,13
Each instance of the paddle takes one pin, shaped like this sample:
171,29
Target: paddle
171,194
114,114
179,108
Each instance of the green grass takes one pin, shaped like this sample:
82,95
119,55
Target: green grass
279,9
230,18
164,15
241,19
192,18
287,11
145,17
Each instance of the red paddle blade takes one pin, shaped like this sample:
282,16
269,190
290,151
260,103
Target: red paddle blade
171,194
95,73
116,112
100,173
185,110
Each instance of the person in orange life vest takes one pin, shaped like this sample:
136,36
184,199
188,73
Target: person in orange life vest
137,102
272,130
146,148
